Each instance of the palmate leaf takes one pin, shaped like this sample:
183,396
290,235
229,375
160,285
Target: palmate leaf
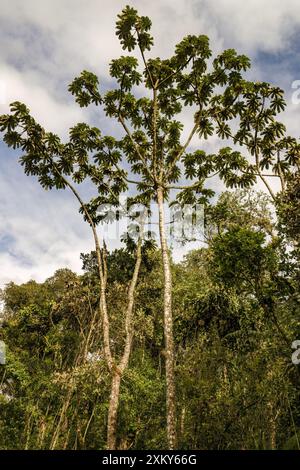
8,122
13,139
85,89
127,24
124,70
206,128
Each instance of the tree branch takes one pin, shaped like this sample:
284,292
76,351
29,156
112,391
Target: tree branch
101,270
121,120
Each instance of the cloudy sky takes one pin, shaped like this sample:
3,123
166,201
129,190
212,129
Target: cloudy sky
44,44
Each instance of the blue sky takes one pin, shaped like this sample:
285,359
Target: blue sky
44,44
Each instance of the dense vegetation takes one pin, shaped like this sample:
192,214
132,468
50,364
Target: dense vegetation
236,309
140,352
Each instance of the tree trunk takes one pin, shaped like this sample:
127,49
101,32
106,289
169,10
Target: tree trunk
118,371
113,411
168,327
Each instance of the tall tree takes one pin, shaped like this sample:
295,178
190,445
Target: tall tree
152,158
61,166
152,143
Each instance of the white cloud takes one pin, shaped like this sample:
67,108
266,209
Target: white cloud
45,230
255,25
55,115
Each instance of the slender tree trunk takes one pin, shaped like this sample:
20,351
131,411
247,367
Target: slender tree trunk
168,327
113,411
87,426
182,422
118,370
62,417
272,434
114,369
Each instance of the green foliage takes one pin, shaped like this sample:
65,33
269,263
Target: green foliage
240,255
236,385
236,301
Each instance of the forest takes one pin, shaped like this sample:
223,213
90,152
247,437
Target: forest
140,350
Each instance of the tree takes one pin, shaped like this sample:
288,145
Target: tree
288,210
233,313
152,134
152,149
52,162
